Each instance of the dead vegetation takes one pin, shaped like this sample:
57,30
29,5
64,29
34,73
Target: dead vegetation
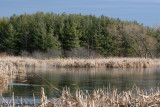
8,71
105,98
80,62
99,98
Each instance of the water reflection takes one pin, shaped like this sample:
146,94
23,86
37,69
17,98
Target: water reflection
86,79
4,86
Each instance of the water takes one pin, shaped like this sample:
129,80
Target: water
83,78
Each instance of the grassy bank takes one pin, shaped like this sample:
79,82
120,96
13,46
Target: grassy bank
77,62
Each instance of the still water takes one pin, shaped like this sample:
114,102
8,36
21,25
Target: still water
81,78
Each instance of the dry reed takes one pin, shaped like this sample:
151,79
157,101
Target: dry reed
8,70
99,98
103,98
89,63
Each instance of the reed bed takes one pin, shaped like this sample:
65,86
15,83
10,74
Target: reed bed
87,63
99,98
104,98
8,70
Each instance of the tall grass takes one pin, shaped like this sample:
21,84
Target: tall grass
10,65
8,72
80,62
99,98
105,98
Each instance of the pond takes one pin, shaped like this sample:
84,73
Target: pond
81,78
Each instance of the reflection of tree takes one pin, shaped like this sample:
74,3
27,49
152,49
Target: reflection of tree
4,87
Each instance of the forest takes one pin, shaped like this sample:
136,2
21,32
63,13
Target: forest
76,35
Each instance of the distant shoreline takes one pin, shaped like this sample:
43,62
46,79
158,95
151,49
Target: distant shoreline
82,62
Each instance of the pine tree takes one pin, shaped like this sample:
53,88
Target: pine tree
71,37
10,42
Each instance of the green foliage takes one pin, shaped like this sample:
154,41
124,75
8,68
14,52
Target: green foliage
70,35
107,36
10,41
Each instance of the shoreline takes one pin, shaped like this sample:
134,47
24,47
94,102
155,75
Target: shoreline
85,63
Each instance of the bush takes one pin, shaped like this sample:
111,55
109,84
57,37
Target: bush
25,54
82,52
52,53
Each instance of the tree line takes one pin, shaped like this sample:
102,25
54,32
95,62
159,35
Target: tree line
68,35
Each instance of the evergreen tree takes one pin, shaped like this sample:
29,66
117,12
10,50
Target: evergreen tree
10,42
107,36
71,37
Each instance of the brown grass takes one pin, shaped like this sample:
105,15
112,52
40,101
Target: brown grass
99,98
105,98
8,70
77,62
3,54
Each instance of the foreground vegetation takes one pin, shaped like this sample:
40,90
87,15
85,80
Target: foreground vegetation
8,72
105,98
77,62
76,35
98,98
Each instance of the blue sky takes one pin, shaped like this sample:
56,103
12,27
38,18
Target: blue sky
143,11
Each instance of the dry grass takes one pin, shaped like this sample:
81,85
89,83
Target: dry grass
89,63
104,98
99,98
8,70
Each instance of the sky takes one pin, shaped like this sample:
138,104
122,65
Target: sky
146,12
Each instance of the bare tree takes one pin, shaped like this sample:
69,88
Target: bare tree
138,38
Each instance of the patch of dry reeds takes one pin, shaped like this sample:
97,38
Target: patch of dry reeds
8,70
87,63
99,98
103,98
